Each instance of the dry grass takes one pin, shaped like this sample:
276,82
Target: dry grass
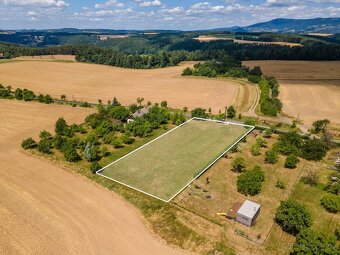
222,188
309,89
90,82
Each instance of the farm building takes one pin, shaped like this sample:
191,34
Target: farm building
248,213
139,113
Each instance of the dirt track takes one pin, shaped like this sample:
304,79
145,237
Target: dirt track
91,82
46,210
309,89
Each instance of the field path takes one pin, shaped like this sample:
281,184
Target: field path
47,210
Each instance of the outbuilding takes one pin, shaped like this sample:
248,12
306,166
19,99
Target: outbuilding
2,56
139,113
248,213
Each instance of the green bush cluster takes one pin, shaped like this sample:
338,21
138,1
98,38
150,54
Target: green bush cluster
293,217
331,202
250,182
23,94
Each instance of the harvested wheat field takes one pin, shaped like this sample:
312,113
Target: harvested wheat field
266,43
45,209
309,89
89,82
48,57
209,38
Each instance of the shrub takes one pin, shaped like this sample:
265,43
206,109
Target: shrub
255,150
291,161
267,133
239,165
44,146
293,217
127,138
187,71
70,151
331,202
271,156
91,152
311,178
164,104
250,182
59,141
320,125
313,149
44,135
18,94
311,243
280,184
337,234
28,95
231,112
95,167
118,112
250,122
289,143
261,142
28,143
199,112
117,143
47,99
60,126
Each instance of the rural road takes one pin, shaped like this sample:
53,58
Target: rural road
47,210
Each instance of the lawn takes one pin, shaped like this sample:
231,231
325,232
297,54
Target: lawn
166,165
311,196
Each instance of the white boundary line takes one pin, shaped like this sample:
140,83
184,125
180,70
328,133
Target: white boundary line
199,174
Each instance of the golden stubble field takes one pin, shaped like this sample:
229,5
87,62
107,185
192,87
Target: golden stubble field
89,82
309,90
210,38
45,209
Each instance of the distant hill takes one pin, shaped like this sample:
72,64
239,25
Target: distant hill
318,25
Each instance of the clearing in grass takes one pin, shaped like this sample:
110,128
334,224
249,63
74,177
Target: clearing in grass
165,166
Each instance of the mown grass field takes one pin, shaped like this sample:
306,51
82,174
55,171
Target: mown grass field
166,165
311,196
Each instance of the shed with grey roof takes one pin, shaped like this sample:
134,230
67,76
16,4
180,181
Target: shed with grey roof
139,113
248,213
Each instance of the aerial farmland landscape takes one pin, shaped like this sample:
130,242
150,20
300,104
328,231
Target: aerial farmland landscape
170,127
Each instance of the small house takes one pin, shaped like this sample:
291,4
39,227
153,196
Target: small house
2,56
139,113
248,213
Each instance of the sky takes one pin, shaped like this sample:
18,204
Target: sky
156,14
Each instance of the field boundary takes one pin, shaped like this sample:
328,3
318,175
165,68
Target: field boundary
196,176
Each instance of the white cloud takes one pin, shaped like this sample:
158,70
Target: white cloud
31,13
281,3
109,3
44,3
149,3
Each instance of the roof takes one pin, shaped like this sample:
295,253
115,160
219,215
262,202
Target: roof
249,209
140,112
233,211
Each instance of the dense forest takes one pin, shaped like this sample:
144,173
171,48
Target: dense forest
176,52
